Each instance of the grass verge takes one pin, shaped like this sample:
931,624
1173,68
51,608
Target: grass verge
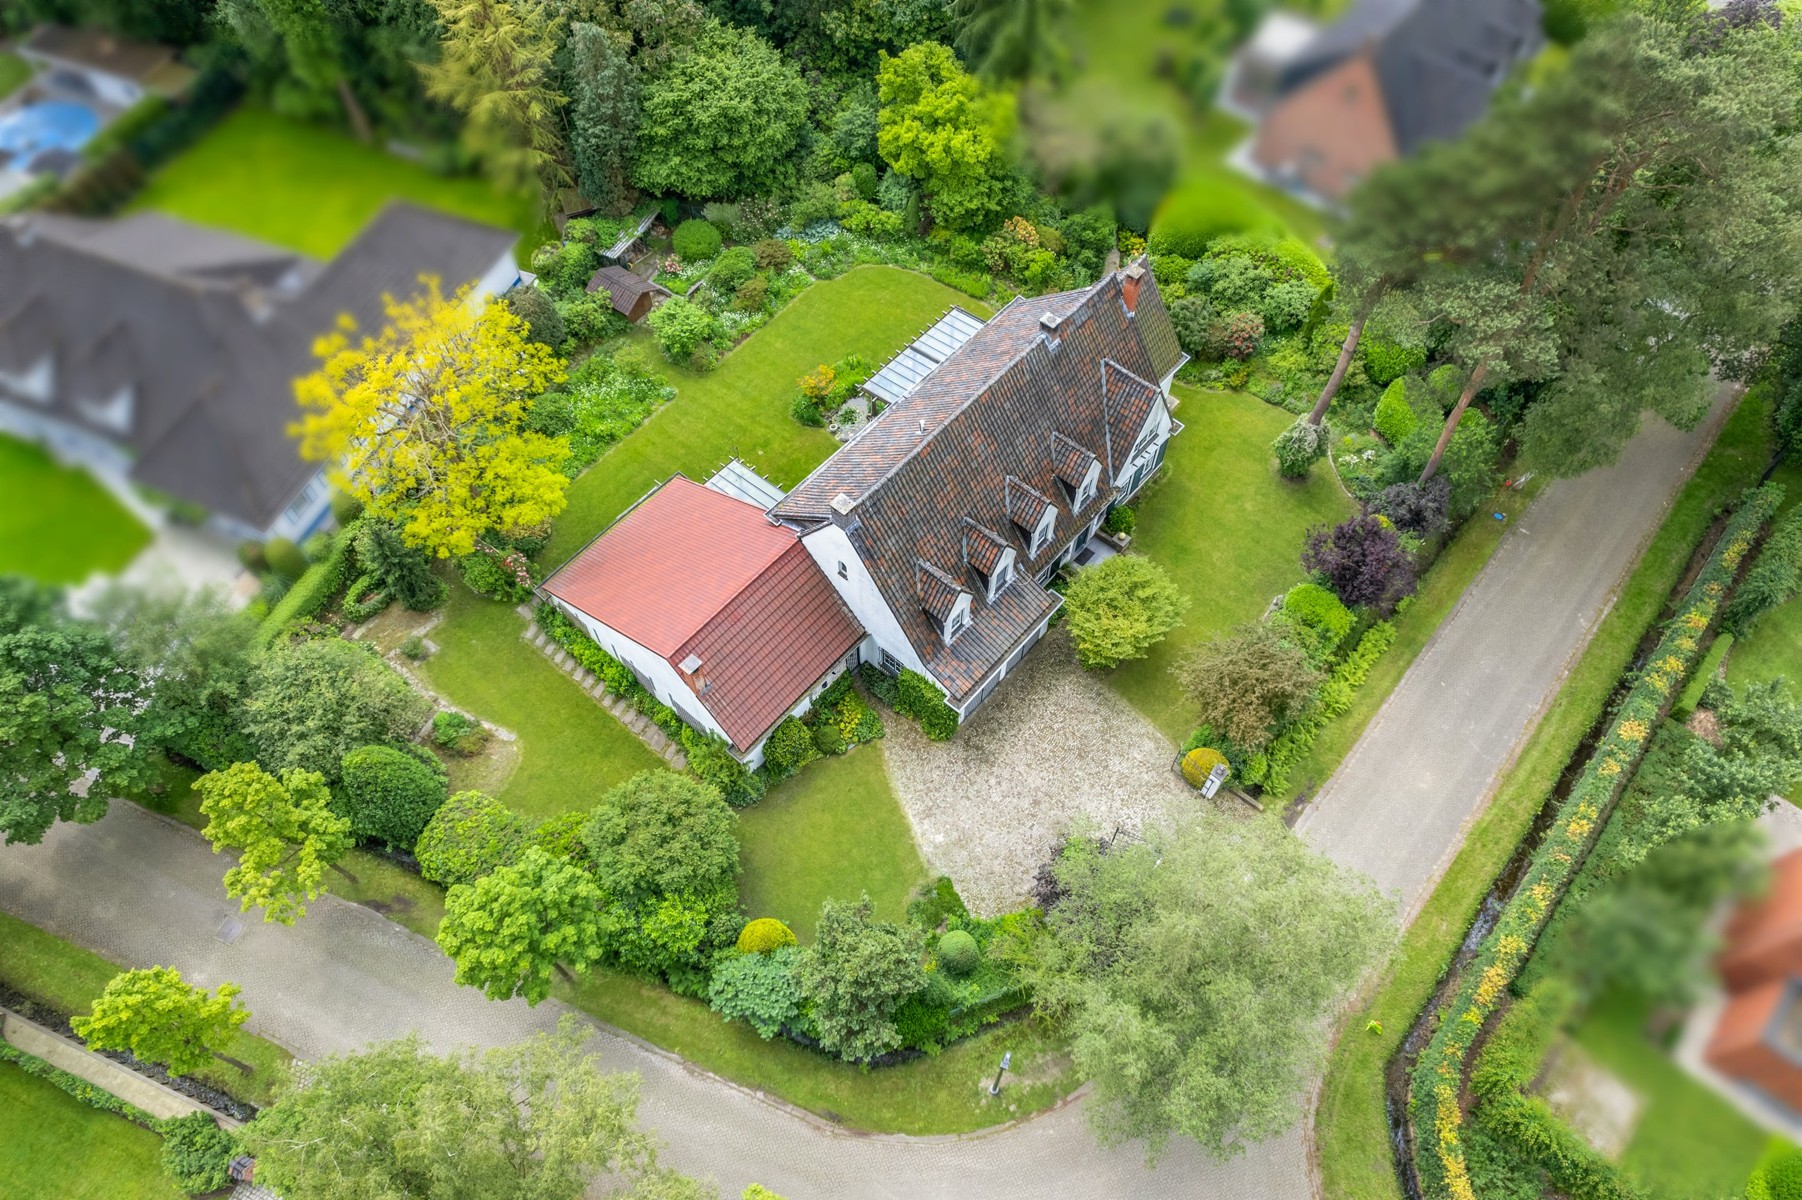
67,978
1351,1128
51,1144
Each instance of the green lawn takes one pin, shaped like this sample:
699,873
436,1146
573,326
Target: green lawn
68,978
741,407
571,749
56,523
832,832
1227,528
53,1145
311,188
1351,1131
14,71
1689,1144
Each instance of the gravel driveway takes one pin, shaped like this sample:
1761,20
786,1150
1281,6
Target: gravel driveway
1053,743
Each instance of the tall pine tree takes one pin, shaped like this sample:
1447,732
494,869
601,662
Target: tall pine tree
603,118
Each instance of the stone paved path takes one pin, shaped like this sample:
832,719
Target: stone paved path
1398,807
1052,744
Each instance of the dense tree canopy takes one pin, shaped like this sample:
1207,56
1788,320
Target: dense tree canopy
1247,681
856,974
723,121
662,834
68,706
160,1018
536,1121
284,831
1193,970
425,421
314,701
1120,608
603,114
941,127
511,928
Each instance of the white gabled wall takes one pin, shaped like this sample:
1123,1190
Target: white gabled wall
830,547
653,670
1159,421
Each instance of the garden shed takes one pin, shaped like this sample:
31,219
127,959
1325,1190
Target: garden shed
633,296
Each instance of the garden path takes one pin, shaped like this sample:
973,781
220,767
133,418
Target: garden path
1054,744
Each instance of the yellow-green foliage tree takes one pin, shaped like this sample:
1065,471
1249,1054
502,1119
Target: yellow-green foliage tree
159,1017
425,421
939,125
284,831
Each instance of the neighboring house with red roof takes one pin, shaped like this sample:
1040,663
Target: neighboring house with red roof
719,612
926,543
1758,1039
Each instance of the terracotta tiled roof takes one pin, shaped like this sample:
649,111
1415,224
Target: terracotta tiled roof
983,547
1025,504
768,645
691,573
941,459
938,592
1070,461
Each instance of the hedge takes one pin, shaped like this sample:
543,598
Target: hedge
1434,1088
1698,683
918,697
1272,767
90,1094
311,593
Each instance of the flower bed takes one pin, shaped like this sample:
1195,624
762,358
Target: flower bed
1435,1088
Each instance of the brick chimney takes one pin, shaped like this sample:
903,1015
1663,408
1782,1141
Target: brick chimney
1130,279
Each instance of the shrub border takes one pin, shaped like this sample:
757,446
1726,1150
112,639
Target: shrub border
1438,1076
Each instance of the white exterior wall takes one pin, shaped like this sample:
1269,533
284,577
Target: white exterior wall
667,684
830,547
1158,420
497,279
67,442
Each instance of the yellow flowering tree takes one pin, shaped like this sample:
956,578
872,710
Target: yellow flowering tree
425,420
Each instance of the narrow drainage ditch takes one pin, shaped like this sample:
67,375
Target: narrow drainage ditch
1400,1068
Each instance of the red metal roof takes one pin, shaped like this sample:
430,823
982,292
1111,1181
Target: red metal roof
693,572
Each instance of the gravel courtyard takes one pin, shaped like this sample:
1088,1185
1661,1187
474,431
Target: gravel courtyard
1052,744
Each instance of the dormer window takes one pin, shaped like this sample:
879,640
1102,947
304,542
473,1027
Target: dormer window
1085,491
1002,577
959,621
1041,534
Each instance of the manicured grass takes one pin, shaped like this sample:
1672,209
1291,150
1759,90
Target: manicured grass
832,832
1689,1144
937,1095
1351,1132
311,188
1440,589
42,502
571,749
14,71
51,1144
1773,648
68,978
1227,528
741,407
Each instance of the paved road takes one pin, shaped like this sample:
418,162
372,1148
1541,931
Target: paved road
1398,807
145,890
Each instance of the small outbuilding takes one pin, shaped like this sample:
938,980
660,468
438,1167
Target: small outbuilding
633,295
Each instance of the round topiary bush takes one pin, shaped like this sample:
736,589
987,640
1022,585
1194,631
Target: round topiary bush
470,835
346,508
764,935
1395,418
958,953
1783,1178
388,794
1199,763
285,558
694,240
731,269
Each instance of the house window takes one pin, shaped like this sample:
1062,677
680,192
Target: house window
956,622
890,664
1004,575
1042,534
842,572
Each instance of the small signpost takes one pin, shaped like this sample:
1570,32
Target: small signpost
1216,777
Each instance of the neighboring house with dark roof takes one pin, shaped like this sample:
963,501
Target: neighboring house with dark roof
164,354
1386,78
94,62
719,611
941,523
633,296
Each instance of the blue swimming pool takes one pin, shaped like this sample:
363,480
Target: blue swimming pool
46,125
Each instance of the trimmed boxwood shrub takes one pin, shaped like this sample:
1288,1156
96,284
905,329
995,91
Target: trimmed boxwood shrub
1199,763
388,795
958,953
732,270
1320,610
307,598
1395,418
695,239
470,835
764,935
